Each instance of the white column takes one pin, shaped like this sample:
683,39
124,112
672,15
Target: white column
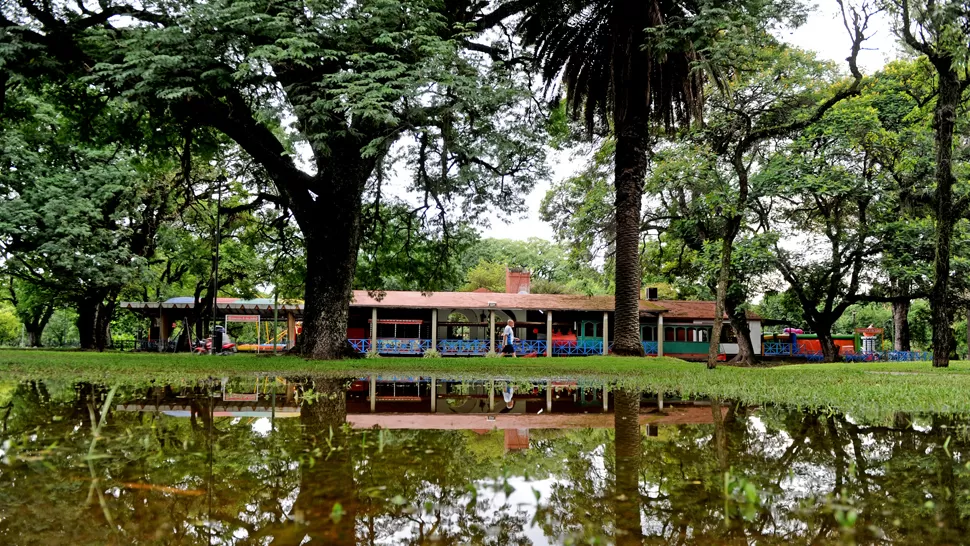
606,332
548,333
660,400
290,330
434,329
660,335
549,396
373,329
491,330
434,395
606,398
372,390
491,395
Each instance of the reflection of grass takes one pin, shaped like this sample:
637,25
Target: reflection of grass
862,388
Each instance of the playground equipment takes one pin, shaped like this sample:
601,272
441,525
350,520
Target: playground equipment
204,346
864,346
272,343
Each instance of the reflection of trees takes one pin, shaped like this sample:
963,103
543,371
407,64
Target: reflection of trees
905,478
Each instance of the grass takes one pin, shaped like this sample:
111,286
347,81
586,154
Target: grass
869,389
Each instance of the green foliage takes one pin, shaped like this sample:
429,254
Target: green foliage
782,306
10,325
488,275
431,353
61,331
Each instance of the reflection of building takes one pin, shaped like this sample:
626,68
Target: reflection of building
469,323
409,404
516,439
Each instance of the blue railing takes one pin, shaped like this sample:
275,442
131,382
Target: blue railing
359,345
892,356
777,348
649,347
403,346
528,346
460,347
572,348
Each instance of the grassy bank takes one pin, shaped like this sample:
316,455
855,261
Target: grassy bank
879,388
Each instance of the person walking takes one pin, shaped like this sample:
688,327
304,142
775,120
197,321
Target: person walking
508,337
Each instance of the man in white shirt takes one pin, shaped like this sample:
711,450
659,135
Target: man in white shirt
508,336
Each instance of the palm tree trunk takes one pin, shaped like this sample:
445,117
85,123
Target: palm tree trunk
631,118
629,450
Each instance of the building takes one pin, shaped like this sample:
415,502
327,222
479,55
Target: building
468,323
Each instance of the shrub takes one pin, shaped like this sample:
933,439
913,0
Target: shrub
432,353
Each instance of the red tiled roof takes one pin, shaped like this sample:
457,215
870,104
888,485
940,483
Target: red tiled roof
481,300
680,309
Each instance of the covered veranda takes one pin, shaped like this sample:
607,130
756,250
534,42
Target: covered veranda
453,323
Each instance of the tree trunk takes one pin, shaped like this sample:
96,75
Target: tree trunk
739,321
944,120
732,225
87,319
332,238
628,449
901,326
33,336
630,172
829,352
631,123
723,277
102,333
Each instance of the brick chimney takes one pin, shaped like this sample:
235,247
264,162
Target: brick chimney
517,280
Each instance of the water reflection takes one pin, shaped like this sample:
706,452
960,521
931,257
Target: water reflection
343,461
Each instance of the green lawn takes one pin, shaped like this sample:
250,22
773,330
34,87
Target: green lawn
871,389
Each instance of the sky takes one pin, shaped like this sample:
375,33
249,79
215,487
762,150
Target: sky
823,32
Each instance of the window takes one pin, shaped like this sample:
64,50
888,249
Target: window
669,334
681,334
728,335
648,333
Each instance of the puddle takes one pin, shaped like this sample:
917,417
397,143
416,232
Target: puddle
432,461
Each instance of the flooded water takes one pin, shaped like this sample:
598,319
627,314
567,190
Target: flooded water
422,461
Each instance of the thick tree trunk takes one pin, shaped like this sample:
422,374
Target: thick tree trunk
332,239
944,121
901,342
94,312
829,352
628,450
35,322
87,319
33,336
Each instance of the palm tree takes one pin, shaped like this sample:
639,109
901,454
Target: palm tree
614,75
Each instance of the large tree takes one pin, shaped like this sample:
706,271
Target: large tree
940,31
340,84
618,69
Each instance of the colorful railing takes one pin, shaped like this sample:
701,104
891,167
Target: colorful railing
575,348
403,346
460,347
528,346
892,356
776,348
479,347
